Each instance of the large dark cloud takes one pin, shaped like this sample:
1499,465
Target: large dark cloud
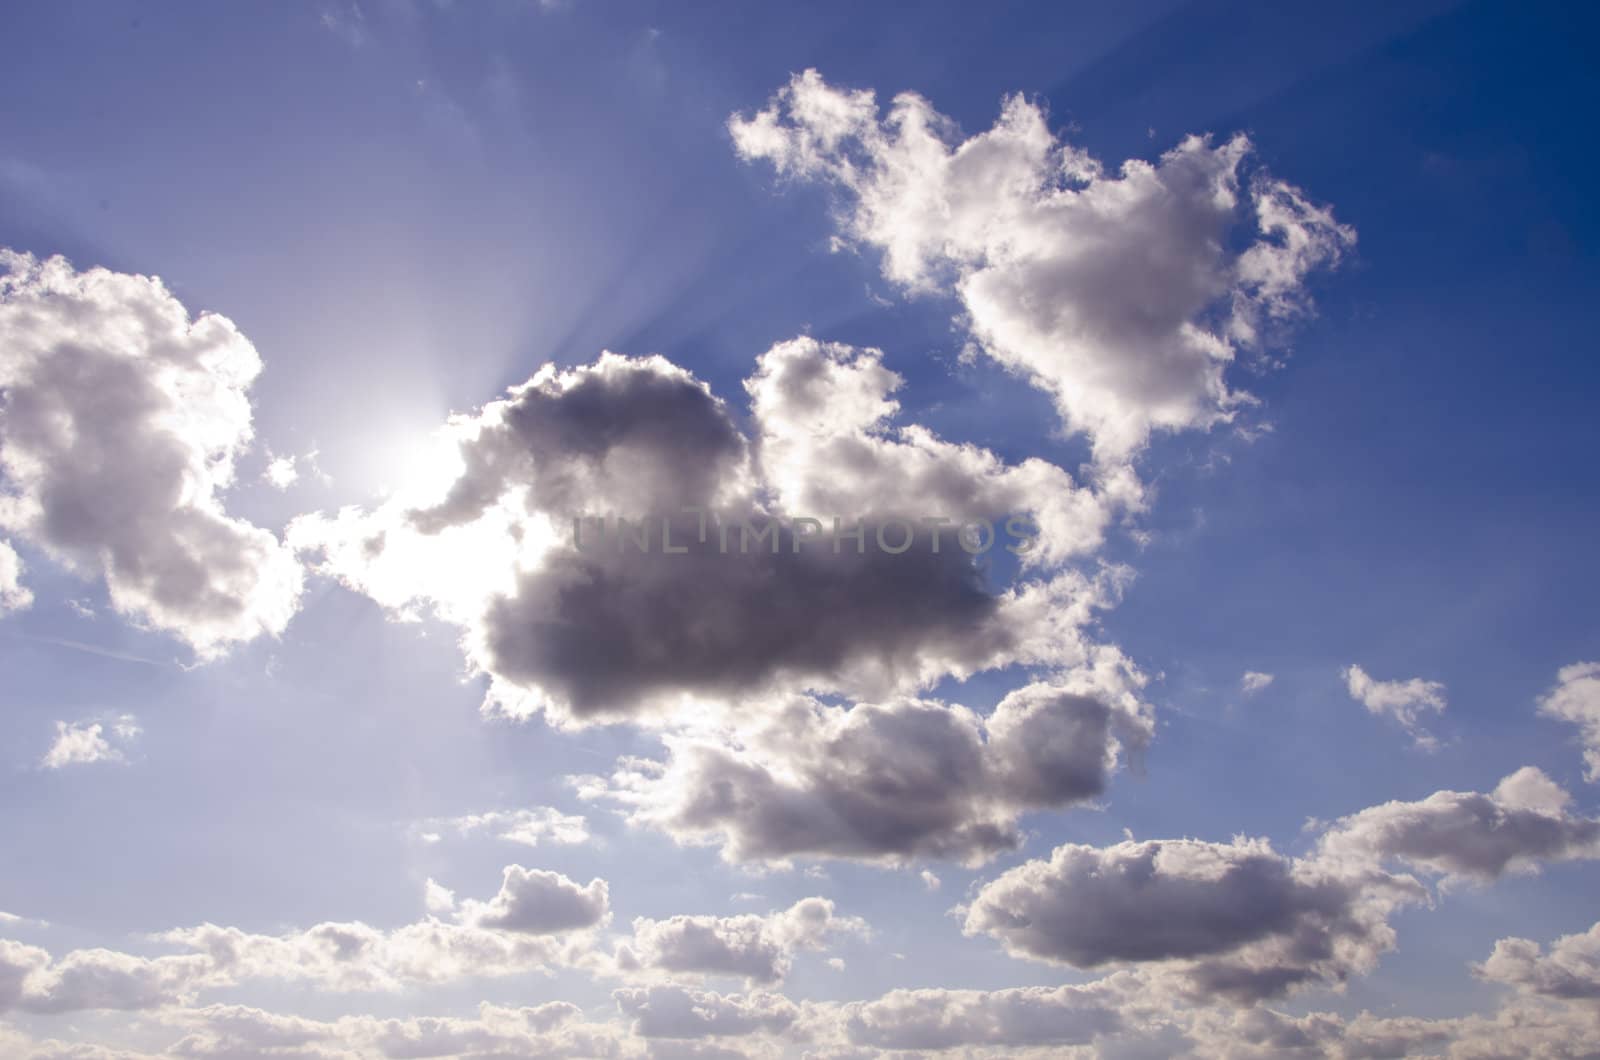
598,627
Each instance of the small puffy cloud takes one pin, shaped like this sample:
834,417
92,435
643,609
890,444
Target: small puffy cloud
281,472
87,742
884,782
1221,919
669,1011
929,880
759,949
1576,699
1404,701
1569,971
14,596
530,827
538,902
1524,822
1254,681
1125,295
122,423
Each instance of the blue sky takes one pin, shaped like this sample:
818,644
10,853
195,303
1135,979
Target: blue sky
405,208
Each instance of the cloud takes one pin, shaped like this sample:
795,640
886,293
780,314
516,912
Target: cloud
1571,970
608,630
949,1019
1124,296
1231,919
759,949
883,782
94,979
1253,682
87,742
14,596
537,902
668,1011
1523,823
1576,699
122,422
1405,701
929,880
530,827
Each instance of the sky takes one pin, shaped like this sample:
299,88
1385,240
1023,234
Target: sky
1264,720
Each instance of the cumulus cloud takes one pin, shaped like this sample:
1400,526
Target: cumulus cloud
668,1011
1524,822
948,1019
14,596
1254,681
94,979
1232,919
1570,970
122,421
1576,699
1124,295
1404,701
883,782
759,949
606,629
538,902
87,742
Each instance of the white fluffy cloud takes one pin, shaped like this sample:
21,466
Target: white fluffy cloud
1524,822
1404,701
122,421
883,782
86,742
1570,970
14,596
1576,699
1121,294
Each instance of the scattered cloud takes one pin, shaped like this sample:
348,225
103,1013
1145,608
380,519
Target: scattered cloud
1404,701
1576,699
1254,681
87,742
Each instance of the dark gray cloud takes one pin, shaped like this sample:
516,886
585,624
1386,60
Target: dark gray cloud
606,629
1234,919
